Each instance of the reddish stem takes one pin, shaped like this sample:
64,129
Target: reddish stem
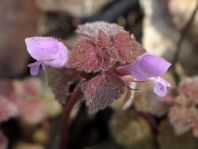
153,126
74,98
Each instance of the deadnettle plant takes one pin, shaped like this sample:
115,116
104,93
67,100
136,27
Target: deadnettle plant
103,55
183,114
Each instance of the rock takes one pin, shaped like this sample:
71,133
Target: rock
167,138
166,32
181,12
131,130
18,21
25,145
73,7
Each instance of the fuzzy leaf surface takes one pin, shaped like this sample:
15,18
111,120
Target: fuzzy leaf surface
84,57
127,48
101,91
60,81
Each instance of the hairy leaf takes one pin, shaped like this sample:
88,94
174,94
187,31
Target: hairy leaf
101,91
84,57
60,80
103,40
92,29
104,45
128,49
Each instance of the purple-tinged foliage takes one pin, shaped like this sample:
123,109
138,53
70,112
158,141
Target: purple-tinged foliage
183,114
149,67
183,119
92,29
32,86
84,57
101,91
31,110
23,99
127,48
47,51
7,109
101,46
189,88
61,80
101,49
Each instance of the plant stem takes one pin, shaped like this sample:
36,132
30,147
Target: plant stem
153,125
179,43
74,98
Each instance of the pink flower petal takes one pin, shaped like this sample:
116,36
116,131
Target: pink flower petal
34,68
151,66
145,67
160,86
47,50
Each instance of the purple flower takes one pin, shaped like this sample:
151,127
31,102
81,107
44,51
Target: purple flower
47,51
149,67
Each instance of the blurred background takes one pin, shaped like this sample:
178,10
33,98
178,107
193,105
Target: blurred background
30,116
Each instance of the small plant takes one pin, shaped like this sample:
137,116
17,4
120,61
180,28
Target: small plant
21,100
96,66
183,113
